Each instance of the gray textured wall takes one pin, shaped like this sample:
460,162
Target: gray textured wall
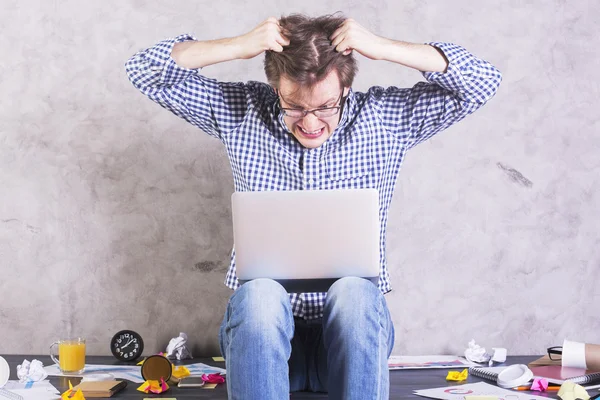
115,214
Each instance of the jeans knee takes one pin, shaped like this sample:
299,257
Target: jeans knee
259,305
353,295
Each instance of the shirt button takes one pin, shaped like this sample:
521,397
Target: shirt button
311,181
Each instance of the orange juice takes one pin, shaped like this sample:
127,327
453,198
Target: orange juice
71,356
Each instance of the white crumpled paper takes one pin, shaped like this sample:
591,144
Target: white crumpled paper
31,371
478,354
177,348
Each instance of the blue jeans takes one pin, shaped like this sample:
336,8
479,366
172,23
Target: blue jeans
268,353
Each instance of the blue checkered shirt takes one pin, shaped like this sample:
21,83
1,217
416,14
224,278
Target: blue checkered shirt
366,150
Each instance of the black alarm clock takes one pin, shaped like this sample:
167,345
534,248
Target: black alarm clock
127,345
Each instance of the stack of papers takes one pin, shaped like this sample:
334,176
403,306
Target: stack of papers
428,362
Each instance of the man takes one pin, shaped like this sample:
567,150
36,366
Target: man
309,130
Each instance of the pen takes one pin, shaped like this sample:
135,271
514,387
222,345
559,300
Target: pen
549,389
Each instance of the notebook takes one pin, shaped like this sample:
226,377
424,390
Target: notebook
560,374
552,373
100,388
489,373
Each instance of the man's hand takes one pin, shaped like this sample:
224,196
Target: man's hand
266,36
353,36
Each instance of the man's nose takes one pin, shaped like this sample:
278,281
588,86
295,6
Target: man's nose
310,122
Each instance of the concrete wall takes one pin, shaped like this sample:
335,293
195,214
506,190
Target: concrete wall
116,214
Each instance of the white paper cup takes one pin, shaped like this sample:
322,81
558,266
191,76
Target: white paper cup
4,372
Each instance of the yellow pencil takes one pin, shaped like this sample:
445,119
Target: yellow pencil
549,389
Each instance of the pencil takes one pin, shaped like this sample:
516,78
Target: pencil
549,389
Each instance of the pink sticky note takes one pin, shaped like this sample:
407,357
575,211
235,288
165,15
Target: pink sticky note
213,378
539,385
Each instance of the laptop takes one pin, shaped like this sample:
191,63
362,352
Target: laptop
306,239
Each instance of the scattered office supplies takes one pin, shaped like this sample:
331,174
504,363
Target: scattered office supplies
101,388
572,391
72,394
427,362
4,371
4,375
180,372
539,385
580,355
153,386
460,392
498,356
489,373
213,378
506,377
127,345
514,376
131,372
178,349
191,381
42,390
476,353
560,374
98,377
157,367
31,371
457,376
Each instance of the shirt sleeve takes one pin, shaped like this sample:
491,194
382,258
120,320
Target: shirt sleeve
418,113
215,107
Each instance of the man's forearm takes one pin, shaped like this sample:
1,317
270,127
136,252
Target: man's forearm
422,57
196,54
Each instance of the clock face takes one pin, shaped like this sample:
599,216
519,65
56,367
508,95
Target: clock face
127,345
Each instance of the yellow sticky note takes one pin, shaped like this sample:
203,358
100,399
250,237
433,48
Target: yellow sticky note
152,386
572,391
218,359
209,386
69,395
180,371
457,376
481,397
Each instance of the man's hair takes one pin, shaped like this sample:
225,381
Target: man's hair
309,57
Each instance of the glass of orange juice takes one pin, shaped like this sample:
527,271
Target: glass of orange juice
71,355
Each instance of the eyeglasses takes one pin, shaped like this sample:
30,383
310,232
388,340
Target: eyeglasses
322,112
555,353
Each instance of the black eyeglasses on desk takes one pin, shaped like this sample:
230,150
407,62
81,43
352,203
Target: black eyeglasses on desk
555,353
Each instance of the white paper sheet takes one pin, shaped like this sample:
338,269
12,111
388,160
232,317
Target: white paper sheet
428,362
132,373
42,390
458,392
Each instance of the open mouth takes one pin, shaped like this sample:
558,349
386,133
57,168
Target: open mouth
311,134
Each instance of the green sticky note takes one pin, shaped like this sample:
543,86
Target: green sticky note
218,359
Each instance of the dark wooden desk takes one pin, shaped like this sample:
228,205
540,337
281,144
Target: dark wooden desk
402,383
